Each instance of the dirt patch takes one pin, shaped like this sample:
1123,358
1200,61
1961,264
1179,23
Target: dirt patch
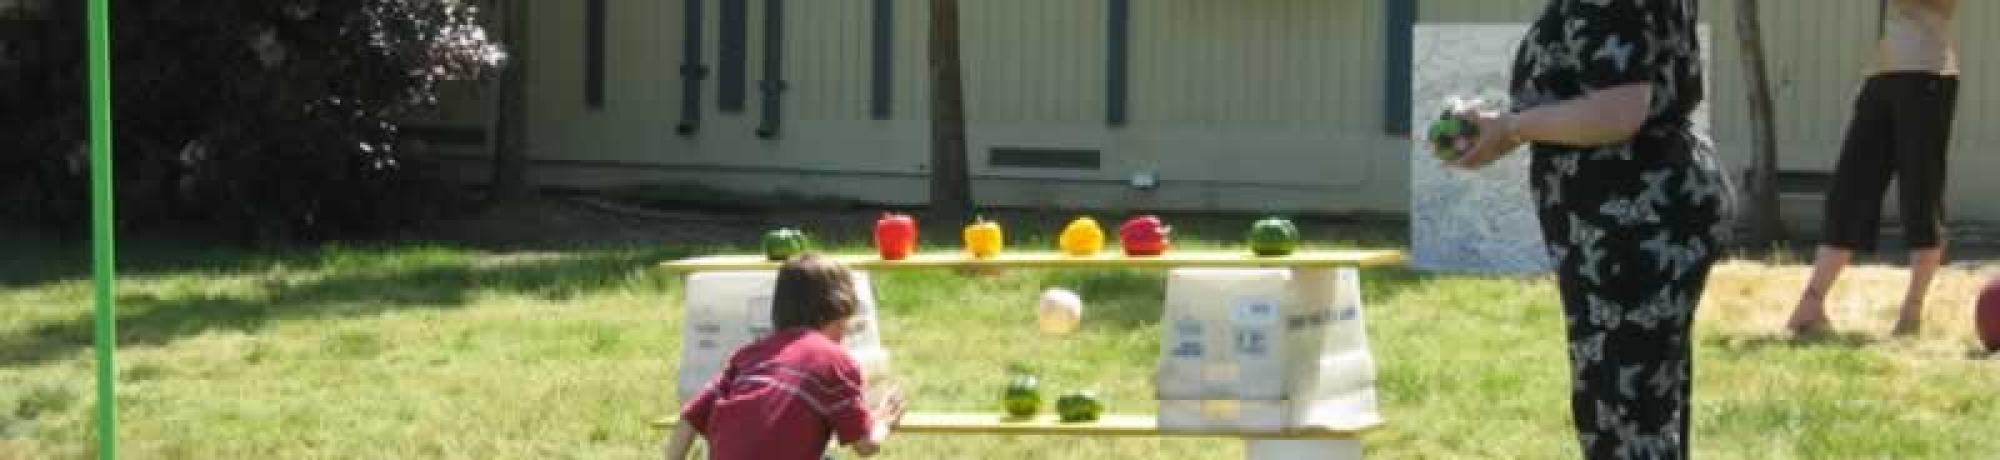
1754,298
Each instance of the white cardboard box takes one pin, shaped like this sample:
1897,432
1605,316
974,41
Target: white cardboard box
1264,350
726,310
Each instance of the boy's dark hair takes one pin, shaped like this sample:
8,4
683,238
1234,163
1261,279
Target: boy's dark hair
812,292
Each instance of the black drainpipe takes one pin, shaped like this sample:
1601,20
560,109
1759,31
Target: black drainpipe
692,71
593,53
1401,27
1115,61
884,59
774,70
729,87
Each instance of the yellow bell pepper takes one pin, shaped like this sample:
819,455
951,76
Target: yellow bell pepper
1082,237
983,238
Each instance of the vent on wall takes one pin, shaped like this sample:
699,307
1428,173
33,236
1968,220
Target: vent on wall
1016,157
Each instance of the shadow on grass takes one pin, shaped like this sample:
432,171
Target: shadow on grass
36,259
349,291
33,260
1831,339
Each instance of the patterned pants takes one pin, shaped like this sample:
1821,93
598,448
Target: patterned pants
1633,241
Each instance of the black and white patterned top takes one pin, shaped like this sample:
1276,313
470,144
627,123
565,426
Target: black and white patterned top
1578,46
1661,193
1665,174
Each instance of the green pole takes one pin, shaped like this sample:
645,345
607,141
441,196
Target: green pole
102,227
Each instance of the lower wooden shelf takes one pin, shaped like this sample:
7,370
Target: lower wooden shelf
1142,425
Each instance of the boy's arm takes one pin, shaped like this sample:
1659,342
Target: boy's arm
883,419
856,424
872,444
867,448
694,417
680,442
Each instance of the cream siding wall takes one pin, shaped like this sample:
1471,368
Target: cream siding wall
1973,193
1273,104
1449,11
1818,51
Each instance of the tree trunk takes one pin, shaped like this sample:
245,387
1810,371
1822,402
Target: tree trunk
1765,226
507,133
951,182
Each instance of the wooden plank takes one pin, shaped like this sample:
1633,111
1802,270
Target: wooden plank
1121,425
1048,259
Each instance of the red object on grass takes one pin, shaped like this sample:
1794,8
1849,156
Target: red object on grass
1987,315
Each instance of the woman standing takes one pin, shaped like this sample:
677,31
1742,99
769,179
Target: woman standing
1902,128
1631,202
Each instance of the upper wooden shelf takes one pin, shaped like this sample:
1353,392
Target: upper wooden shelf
1050,259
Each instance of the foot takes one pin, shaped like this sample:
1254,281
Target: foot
1809,317
1908,326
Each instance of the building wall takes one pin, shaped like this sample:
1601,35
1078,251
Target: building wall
1447,11
1273,104
1971,195
1819,51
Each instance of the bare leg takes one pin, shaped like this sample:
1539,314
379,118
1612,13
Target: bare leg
1810,315
1923,264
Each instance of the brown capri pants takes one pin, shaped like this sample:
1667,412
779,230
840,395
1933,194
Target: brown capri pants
1901,129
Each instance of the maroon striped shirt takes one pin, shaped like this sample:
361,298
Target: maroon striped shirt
782,398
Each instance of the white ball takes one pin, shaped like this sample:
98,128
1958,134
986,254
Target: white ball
1060,311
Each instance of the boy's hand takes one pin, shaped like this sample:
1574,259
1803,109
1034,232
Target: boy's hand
886,414
892,407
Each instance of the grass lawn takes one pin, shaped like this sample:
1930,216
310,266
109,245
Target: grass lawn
426,351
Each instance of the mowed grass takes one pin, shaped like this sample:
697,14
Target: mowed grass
426,351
